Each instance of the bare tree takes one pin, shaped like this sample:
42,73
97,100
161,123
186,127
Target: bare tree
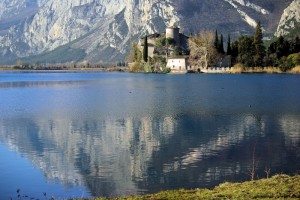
254,164
202,50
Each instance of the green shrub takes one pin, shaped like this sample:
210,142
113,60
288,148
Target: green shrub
295,58
287,63
166,70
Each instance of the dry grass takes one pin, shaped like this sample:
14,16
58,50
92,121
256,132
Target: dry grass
5,68
277,187
236,69
239,68
295,70
268,70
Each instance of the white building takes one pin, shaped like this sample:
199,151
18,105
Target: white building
178,65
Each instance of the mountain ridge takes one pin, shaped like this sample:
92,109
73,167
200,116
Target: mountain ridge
105,29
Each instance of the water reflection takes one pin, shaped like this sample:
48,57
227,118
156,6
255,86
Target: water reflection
114,152
130,156
290,126
141,135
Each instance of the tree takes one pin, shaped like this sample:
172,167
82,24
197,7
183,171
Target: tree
246,51
134,53
145,50
216,42
202,49
259,46
221,45
161,42
228,52
295,45
234,51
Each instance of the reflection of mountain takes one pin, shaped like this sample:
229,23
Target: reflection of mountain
126,156
290,126
121,134
112,152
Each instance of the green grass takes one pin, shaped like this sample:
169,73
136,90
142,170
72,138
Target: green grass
277,187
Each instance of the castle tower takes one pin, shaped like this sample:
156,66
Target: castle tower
173,32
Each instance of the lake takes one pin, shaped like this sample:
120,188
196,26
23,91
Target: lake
84,134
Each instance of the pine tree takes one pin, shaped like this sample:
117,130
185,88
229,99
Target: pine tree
259,46
145,50
228,52
246,51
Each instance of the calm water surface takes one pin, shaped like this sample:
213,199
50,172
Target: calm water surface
112,134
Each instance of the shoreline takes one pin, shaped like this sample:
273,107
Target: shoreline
106,69
234,70
277,187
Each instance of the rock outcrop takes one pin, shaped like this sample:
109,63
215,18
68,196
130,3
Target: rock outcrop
290,19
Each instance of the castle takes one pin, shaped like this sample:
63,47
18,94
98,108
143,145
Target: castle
176,42
173,45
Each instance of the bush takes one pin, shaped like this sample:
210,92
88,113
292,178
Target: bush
135,67
295,58
166,70
287,63
147,67
161,42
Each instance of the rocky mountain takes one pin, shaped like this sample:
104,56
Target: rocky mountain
290,19
12,12
102,30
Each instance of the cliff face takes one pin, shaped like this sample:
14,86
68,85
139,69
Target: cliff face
104,29
13,12
97,26
290,19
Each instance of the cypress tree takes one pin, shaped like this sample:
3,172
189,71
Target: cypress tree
216,44
228,52
145,50
135,52
221,45
259,46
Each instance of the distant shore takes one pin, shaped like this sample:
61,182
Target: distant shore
233,70
52,68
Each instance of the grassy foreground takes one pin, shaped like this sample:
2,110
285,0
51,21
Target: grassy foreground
277,187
